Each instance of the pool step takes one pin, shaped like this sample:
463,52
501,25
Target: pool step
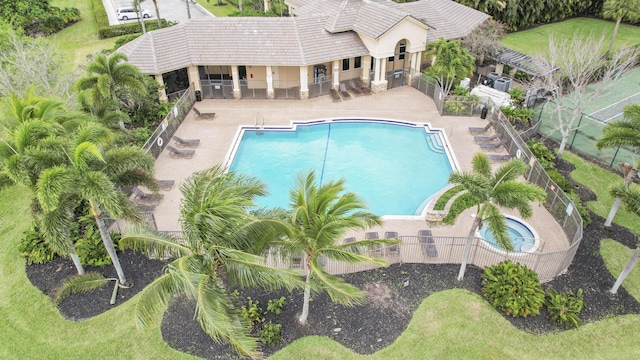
434,142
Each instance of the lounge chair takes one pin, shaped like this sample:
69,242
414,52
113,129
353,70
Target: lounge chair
141,196
146,207
376,250
349,240
344,93
428,245
335,96
492,145
395,248
499,157
352,87
480,130
200,115
180,154
481,139
358,83
165,185
192,143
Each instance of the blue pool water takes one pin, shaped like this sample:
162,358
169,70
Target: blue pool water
521,235
391,166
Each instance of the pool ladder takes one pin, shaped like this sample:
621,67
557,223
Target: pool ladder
259,127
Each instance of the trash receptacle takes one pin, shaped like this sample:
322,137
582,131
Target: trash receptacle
483,113
198,95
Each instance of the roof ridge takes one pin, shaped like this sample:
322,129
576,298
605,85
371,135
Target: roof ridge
153,50
297,34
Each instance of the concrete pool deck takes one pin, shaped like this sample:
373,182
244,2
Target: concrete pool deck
404,103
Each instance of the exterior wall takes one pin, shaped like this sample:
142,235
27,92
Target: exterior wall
217,70
162,91
286,76
385,46
256,77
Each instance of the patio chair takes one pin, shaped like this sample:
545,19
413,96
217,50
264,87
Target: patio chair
192,143
376,250
141,196
481,130
344,93
200,115
395,248
335,96
481,139
428,245
180,154
355,90
349,240
165,185
146,207
358,83
492,145
499,157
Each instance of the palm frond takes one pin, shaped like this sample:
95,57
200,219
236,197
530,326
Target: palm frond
349,253
55,226
248,270
154,298
80,283
518,195
481,164
509,171
53,183
338,290
497,223
141,238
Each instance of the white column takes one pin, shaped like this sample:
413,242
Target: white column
376,73
366,69
336,74
235,74
194,77
379,83
383,69
162,91
270,92
419,55
304,82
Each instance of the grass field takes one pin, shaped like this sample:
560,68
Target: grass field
615,256
535,41
212,7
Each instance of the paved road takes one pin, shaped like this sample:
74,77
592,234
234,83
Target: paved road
173,10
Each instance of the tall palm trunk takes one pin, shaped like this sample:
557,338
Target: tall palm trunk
77,263
627,269
467,247
629,174
155,5
106,240
613,38
307,295
140,17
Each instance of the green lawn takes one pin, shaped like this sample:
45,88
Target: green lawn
536,41
80,39
599,181
212,7
615,256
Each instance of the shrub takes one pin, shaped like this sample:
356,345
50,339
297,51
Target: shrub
560,180
276,305
517,115
131,28
91,250
34,248
513,288
253,312
546,157
454,107
270,333
459,91
517,95
124,39
460,204
444,198
583,211
564,308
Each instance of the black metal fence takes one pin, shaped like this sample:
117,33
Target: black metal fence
163,133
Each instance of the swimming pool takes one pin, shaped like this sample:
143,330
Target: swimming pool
394,166
523,237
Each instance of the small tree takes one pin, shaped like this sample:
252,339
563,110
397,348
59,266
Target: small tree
631,199
622,133
452,63
619,10
484,41
573,85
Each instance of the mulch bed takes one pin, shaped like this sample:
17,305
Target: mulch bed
364,329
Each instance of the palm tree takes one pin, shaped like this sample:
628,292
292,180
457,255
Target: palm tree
112,83
319,217
622,133
491,192
452,62
155,5
217,230
620,10
631,198
94,175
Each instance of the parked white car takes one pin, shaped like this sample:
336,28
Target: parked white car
130,13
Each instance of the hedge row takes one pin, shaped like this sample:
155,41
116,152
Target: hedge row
105,31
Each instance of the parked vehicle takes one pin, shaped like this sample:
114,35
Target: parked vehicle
130,13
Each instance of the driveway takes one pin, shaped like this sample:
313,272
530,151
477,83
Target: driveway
172,10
